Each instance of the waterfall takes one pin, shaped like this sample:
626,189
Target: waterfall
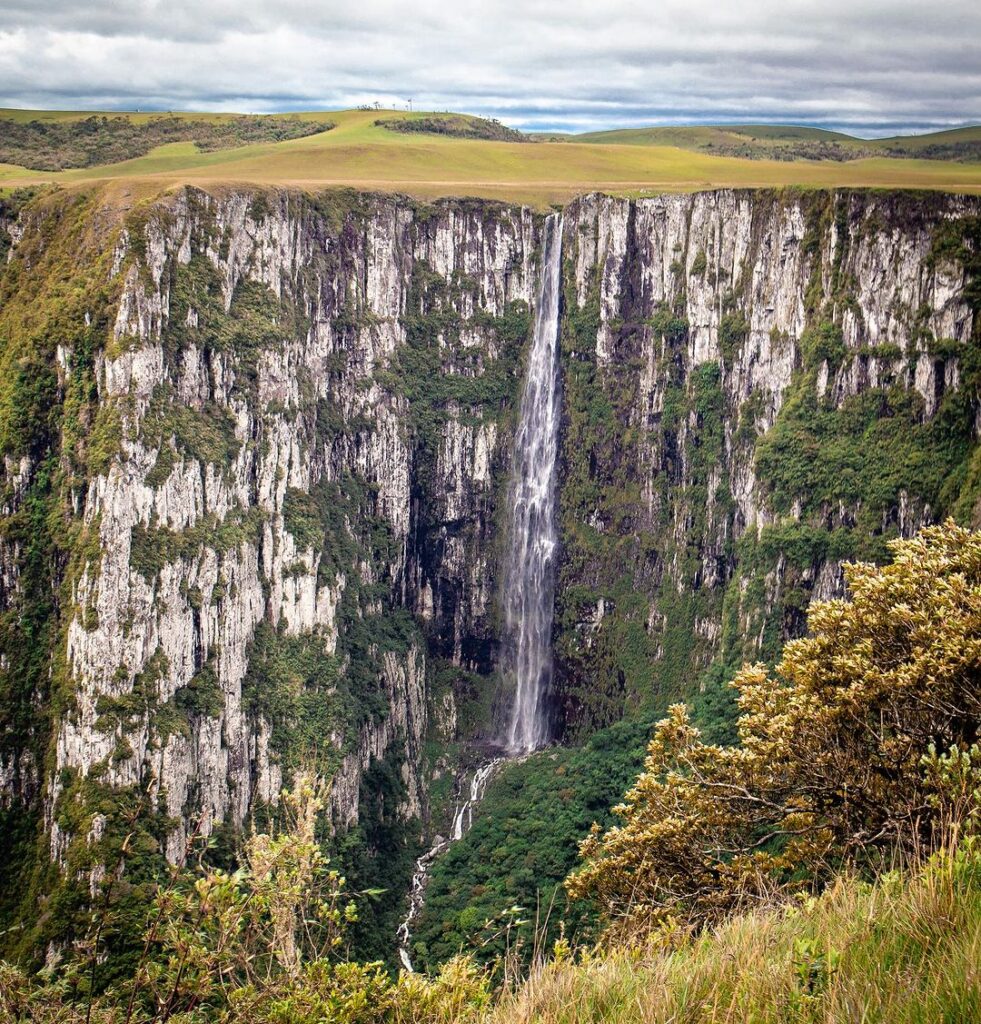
529,576
529,572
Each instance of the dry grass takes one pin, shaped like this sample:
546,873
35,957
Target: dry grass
905,950
359,154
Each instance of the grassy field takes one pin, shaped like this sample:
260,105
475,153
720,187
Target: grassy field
360,154
906,950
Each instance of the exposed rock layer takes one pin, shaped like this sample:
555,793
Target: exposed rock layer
282,501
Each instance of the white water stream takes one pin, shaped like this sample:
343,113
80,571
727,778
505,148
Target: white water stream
462,820
529,573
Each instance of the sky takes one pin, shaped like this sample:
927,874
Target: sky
871,67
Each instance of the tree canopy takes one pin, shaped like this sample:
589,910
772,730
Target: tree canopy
862,741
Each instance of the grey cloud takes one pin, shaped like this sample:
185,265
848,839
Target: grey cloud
875,65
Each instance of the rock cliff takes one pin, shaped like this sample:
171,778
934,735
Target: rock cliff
758,385
256,444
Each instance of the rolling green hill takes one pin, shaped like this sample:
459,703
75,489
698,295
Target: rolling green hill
788,142
360,152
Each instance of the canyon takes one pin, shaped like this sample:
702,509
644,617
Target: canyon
259,451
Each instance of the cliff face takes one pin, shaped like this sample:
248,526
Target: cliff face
268,498
758,386
279,336
255,447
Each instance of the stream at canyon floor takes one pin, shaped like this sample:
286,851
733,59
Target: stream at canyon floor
529,571
470,796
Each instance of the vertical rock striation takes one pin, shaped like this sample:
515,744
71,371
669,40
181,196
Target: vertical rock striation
758,385
256,447
300,409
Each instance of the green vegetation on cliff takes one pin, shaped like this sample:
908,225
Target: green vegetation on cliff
824,868
636,591
502,884
308,697
56,304
657,598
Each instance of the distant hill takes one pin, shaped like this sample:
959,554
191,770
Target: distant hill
88,141
789,142
428,154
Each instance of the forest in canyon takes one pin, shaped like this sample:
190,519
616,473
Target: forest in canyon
454,610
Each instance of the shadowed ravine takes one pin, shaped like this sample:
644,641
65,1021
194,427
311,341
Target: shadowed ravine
529,573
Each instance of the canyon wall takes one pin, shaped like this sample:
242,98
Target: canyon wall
758,386
256,446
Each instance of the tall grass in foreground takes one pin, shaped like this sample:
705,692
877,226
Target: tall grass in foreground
906,949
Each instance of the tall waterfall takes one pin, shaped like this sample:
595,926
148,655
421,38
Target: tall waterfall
529,573
529,577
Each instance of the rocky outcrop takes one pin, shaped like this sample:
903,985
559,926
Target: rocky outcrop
711,313
283,432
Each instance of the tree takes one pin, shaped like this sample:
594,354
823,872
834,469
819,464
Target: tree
834,757
261,945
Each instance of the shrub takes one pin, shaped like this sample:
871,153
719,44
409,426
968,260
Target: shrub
829,764
733,331
454,125
823,343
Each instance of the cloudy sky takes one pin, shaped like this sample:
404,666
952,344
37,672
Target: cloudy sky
871,66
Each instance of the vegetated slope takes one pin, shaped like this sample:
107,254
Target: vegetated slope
54,145
503,882
457,126
787,142
730,437
358,152
256,445
799,922
902,950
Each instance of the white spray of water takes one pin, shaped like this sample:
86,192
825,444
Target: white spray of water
529,579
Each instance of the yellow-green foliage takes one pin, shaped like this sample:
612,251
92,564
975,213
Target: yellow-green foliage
838,755
905,949
830,763
263,944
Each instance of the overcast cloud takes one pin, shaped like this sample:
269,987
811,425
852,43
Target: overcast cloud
869,66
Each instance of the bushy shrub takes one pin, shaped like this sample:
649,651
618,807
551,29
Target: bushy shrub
263,944
829,766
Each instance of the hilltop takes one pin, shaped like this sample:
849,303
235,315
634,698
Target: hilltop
428,154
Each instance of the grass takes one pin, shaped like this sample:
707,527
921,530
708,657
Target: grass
358,153
792,142
906,949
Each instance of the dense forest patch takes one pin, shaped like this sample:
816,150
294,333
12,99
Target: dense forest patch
90,141
454,125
